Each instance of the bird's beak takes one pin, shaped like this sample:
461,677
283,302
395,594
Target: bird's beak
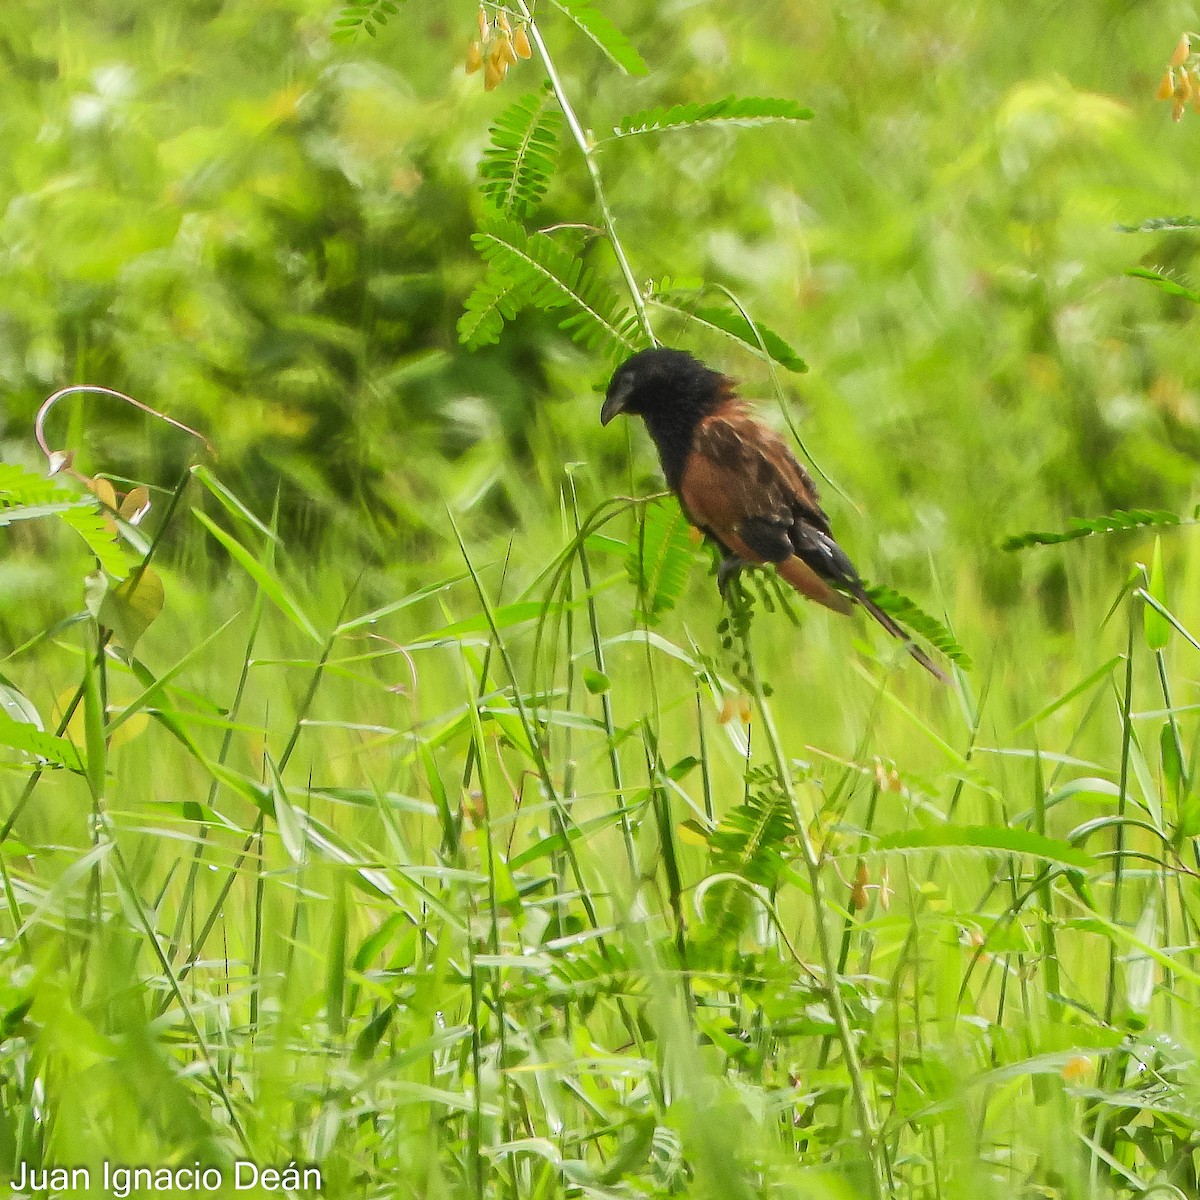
615,401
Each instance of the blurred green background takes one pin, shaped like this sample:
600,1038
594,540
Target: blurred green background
217,209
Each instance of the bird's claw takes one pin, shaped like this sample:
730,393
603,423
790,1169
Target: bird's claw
728,571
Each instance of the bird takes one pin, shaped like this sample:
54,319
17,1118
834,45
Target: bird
738,482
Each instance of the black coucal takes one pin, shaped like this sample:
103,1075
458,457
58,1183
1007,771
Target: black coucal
738,482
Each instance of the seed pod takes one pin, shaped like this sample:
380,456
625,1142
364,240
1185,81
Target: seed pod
858,893
474,58
504,49
1182,50
521,43
1166,87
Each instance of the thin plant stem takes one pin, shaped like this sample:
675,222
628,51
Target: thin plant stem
588,150
881,1186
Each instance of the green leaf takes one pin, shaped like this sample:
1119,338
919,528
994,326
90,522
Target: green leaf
733,110
231,503
605,34
271,587
756,337
354,17
496,298
549,277
1155,626
288,820
1165,283
596,682
129,607
99,533
1080,527
1155,224
1141,970
17,705
519,163
989,837
21,735
1172,762
910,615
660,559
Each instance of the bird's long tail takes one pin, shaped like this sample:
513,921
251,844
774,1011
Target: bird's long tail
897,632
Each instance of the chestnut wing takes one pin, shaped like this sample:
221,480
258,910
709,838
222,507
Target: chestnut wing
743,486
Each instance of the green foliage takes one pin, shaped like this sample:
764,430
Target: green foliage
660,559
755,337
912,616
1081,527
1161,224
30,739
25,496
752,839
534,269
1165,283
733,110
370,17
601,29
519,162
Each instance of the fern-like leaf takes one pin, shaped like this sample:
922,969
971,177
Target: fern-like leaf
370,17
605,34
911,616
1080,527
733,324
752,839
494,300
1165,283
733,110
547,276
752,843
25,495
660,560
517,166
97,531
46,747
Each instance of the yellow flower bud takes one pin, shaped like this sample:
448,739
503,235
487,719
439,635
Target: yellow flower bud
502,21
504,50
1178,109
493,76
1166,87
1183,89
521,43
483,25
1182,50
474,58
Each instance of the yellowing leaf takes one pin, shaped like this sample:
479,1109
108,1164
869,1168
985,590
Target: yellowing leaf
129,607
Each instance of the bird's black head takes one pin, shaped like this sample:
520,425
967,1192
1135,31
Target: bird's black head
664,383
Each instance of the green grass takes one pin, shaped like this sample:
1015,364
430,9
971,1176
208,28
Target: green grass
390,880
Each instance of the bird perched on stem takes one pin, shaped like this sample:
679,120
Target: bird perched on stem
739,483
